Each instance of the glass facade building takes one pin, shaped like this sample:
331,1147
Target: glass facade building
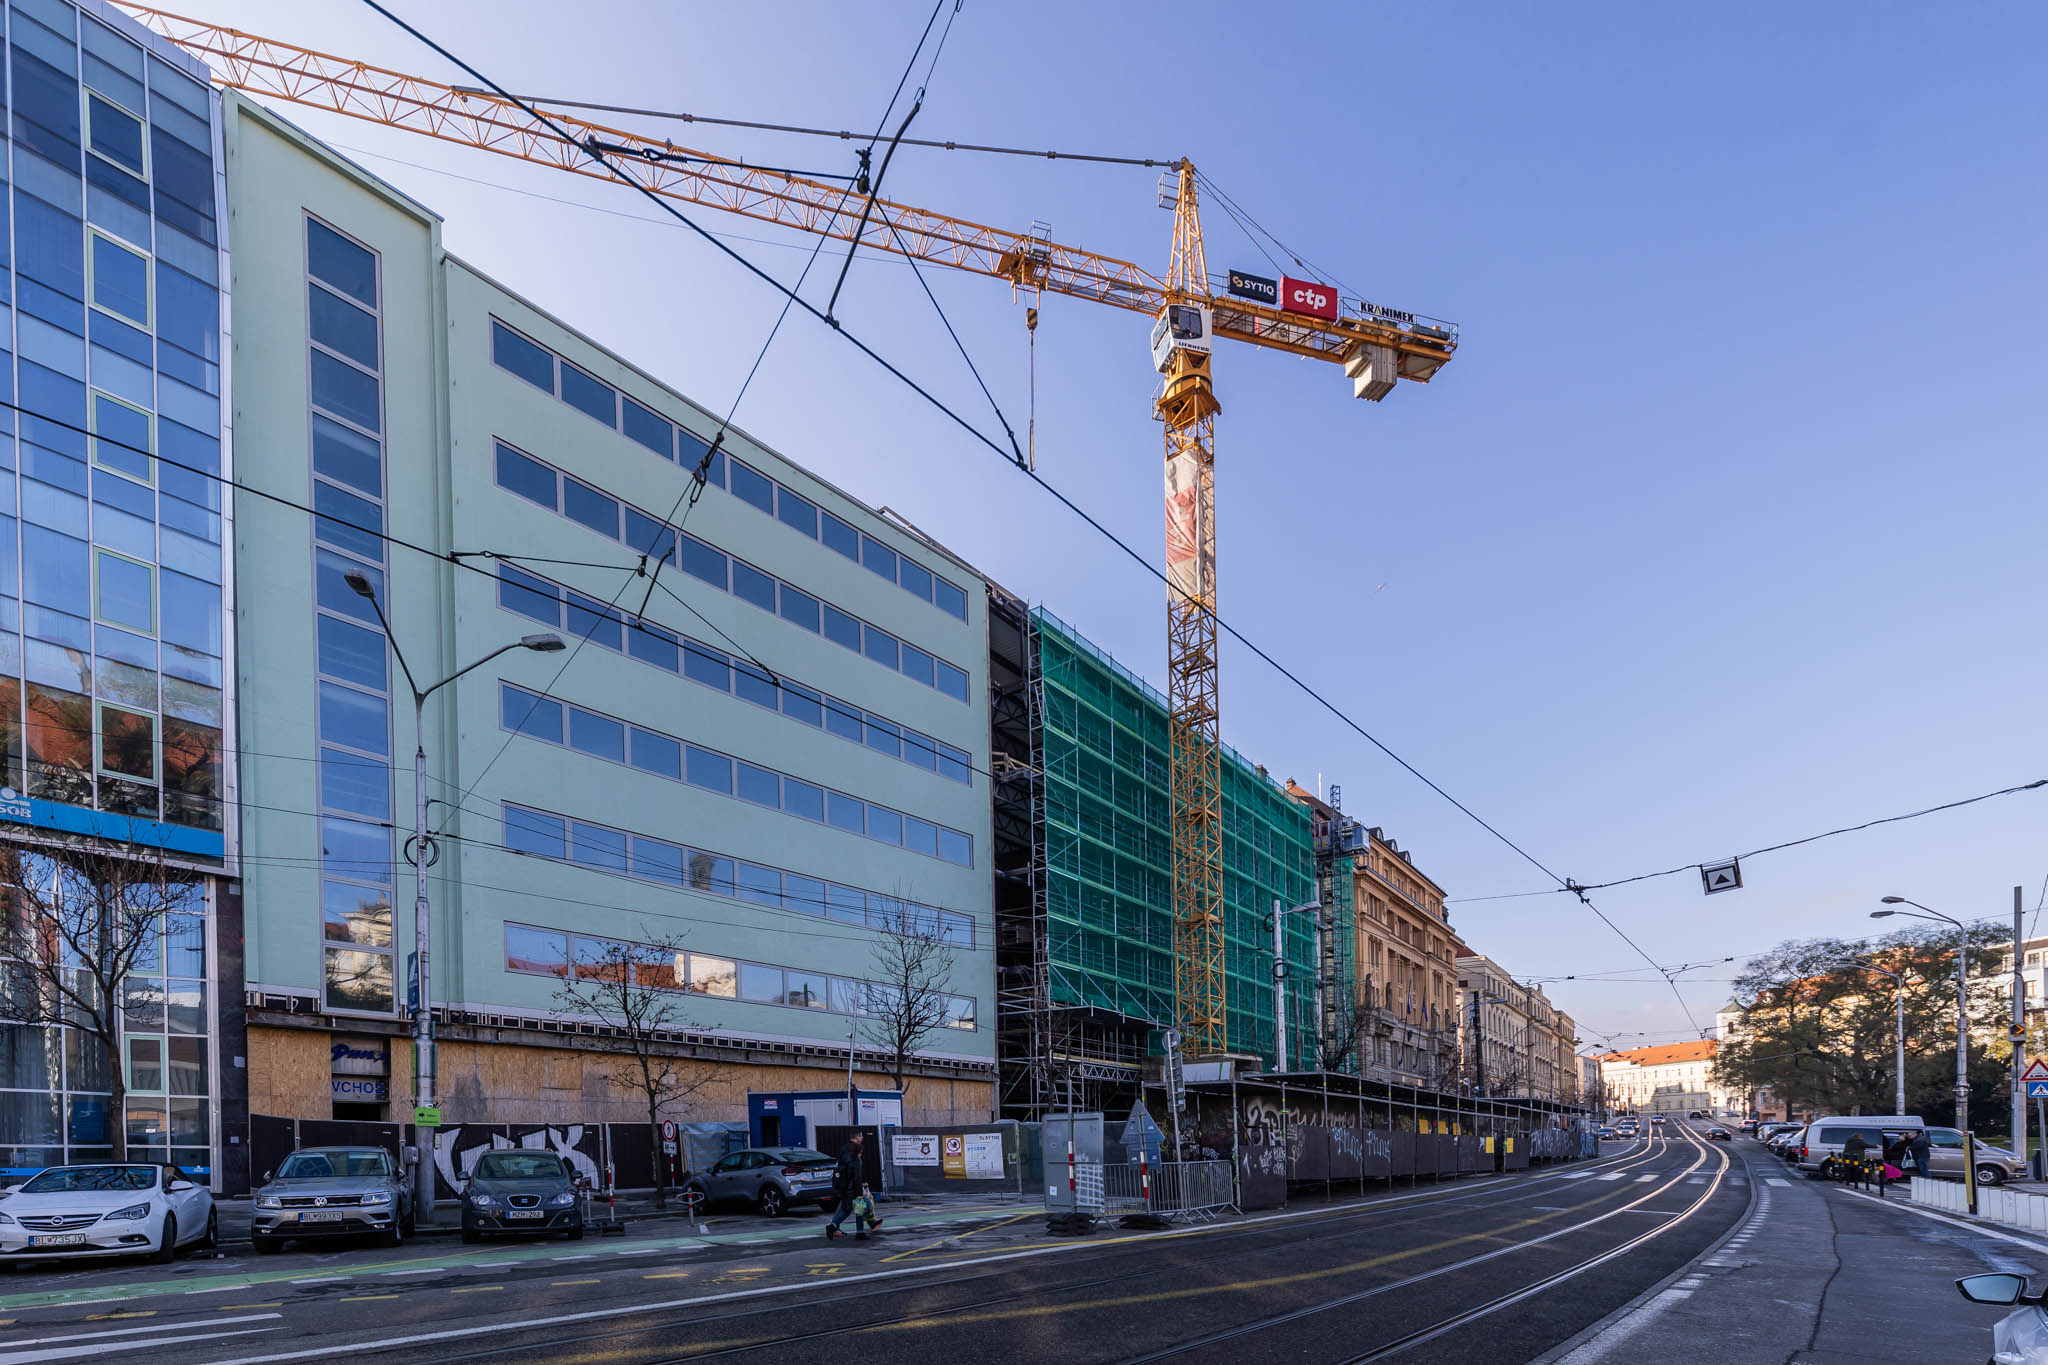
115,709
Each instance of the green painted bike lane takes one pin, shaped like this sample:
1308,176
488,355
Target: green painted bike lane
502,1256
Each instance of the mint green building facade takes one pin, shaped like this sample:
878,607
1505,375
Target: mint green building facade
767,736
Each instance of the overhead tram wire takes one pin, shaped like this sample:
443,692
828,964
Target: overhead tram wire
921,391
1773,848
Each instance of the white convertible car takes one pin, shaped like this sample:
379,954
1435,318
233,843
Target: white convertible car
124,1209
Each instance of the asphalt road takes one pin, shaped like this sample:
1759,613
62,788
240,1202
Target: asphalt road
1475,1271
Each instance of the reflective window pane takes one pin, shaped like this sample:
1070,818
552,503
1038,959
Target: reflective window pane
515,353
335,260
346,391
341,326
358,981
590,395
120,280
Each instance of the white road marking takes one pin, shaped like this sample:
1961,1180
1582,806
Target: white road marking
321,1279
1648,1175
139,1331
428,1270
643,1251
1773,1180
1613,1175
100,1348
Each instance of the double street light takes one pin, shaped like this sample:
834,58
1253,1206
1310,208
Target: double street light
418,850
1962,1003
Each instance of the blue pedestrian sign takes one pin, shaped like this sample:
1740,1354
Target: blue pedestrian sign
2037,1090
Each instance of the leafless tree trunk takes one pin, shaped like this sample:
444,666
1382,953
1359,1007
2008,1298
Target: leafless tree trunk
906,1001
634,989
80,918
1350,1026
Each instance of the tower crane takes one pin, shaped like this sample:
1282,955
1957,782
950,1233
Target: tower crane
1377,347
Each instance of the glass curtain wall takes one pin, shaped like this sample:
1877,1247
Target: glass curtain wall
112,695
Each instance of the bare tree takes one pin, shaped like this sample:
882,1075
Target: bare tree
81,919
906,1000
1350,1030
634,990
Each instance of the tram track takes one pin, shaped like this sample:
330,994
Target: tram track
1395,1214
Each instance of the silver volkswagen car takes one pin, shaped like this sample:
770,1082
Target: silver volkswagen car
329,1192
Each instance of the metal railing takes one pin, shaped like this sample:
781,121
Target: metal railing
1175,1189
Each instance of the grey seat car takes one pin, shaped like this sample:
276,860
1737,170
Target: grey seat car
512,1192
1995,1165
771,1179
332,1192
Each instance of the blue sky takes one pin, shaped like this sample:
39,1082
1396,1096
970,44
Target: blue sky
1720,530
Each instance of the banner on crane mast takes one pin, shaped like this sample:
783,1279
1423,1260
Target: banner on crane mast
1190,535
1306,296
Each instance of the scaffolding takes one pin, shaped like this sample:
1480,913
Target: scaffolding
1086,949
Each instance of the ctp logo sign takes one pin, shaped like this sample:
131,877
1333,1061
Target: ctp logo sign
1306,296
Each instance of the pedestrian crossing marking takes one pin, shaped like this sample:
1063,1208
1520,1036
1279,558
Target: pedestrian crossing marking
1773,1180
1615,1176
1650,1176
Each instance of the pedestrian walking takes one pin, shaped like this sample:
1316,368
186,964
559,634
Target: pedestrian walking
849,1187
1853,1152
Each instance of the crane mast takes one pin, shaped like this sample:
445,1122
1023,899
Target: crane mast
1376,347
1187,408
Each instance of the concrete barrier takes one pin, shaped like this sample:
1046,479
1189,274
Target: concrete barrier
1995,1203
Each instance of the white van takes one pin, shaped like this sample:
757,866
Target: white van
1825,1137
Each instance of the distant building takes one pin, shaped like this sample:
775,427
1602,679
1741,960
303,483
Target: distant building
1513,1040
1674,1078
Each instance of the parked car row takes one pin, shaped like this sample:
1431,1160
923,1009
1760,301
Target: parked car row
1815,1148
316,1193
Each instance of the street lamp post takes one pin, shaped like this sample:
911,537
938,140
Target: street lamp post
1280,982
423,1064
1962,998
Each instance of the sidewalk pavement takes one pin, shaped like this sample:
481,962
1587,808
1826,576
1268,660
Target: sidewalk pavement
637,1211
1816,1274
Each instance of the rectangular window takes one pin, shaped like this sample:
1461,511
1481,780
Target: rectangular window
652,644
701,561
588,507
355,914
706,666
709,872
645,535
841,629
340,326
883,737
917,665
354,784
761,885
799,608
954,763
920,750
751,684
952,681
122,438
708,770
949,599
749,584
751,486
801,704
805,990
878,558
803,894
541,951
346,391
762,985
127,593
880,646
120,280
596,622
351,653
115,134
956,847
529,596
920,836
803,800
333,259
127,743
348,456
598,735
915,579
760,786
526,476
885,825
649,428
657,754
657,861
354,718
596,846
526,713
846,905
837,535
844,812
797,513
713,976
590,395
511,351
845,721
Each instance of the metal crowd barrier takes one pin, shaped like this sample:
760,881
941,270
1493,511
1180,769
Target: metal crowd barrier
1184,1189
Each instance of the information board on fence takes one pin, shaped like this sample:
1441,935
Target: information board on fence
917,1149
984,1156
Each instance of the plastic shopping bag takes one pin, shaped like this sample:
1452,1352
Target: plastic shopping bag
1892,1172
864,1212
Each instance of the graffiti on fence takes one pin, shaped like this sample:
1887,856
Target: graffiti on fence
456,1149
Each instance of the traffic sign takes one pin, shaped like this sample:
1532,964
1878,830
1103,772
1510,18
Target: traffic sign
668,1130
2037,1070
2037,1090
427,1116
1721,876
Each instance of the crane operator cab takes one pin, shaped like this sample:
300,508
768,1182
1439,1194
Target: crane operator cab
1181,327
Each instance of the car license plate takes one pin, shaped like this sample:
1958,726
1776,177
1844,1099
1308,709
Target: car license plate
320,1216
524,1213
62,1239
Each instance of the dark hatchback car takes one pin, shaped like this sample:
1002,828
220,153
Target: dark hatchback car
513,1192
